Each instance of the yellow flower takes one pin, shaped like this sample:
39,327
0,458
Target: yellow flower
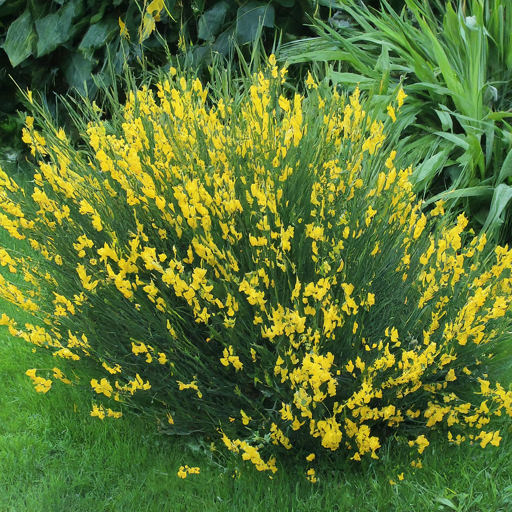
59,375
139,349
311,457
401,96
311,475
450,376
192,385
42,385
391,113
422,443
310,82
438,210
420,225
370,213
98,412
102,387
114,370
123,30
245,419
297,424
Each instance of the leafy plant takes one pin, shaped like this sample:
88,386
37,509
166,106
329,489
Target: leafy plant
70,46
458,69
249,261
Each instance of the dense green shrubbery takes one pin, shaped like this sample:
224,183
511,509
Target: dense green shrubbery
251,262
456,64
67,45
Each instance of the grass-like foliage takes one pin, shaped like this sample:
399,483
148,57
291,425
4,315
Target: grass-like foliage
456,60
251,264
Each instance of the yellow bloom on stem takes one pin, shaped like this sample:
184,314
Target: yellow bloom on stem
42,385
422,443
245,419
102,387
401,96
391,113
98,412
450,376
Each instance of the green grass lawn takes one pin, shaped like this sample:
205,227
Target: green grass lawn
55,457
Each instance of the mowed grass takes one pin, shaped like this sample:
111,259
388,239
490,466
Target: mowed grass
55,457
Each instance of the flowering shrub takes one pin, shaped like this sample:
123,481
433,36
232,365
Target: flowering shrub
255,265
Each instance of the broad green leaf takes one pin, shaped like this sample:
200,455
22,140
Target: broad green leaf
9,158
506,168
349,78
56,29
429,168
78,73
459,141
21,39
437,89
99,34
249,17
383,65
500,199
465,192
490,133
211,22
477,155
498,116
333,4
447,502
359,58
446,119
37,8
442,60
317,56
286,3
99,15
224,41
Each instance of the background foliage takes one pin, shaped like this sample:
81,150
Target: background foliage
68,45
455,60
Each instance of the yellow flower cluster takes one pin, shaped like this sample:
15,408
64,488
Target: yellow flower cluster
99,412
41,384
185,470
249,453
265,232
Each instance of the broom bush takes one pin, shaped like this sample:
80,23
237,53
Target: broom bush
247,262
